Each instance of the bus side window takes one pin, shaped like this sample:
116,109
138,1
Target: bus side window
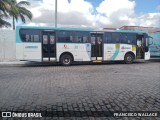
99,40
36,38
71,39
31,38
81,37
45,39
65,36
29,35
52,40
27,38
132,38
108,38
85,39
128,38
79,40
116,37
124,38
93,40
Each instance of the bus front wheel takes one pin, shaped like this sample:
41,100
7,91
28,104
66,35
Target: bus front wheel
66,60
128,59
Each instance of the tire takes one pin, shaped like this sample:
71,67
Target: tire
128,59
66,60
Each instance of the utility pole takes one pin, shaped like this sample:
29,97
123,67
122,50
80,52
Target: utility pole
159,17
55,13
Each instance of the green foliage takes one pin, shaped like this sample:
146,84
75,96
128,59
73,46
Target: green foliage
4,8
10,8
4,23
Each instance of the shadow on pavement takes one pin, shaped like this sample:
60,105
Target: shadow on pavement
48,64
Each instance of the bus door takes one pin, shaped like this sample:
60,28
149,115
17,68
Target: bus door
146,47
140,50
96,46
48,46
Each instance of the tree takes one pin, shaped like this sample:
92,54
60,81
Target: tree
4,8
3,23
19,11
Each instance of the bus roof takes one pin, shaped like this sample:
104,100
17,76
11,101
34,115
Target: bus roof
79,29
53,28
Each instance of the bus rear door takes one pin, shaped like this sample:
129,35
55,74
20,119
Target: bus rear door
96,46
48,46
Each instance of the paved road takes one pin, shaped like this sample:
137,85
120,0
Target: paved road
107,87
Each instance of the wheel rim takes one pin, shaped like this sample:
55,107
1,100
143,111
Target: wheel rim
66,61
129,58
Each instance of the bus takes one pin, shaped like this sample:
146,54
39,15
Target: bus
68,45
155,46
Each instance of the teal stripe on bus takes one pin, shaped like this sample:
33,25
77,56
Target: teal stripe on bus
116,52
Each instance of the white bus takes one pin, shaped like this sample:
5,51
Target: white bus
46,44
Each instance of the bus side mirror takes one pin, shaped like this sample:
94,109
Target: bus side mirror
150,40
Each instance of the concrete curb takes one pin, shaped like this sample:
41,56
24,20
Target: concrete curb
24,63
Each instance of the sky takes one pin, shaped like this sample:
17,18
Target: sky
95,13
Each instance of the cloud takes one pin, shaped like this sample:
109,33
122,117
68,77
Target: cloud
81,13
117,13
149,19
109,7
77,12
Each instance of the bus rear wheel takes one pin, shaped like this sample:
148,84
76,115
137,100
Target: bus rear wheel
66,60
128,59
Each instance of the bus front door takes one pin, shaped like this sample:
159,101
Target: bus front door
140,50
48,46
96,47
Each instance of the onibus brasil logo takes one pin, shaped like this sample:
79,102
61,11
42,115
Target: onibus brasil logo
18,114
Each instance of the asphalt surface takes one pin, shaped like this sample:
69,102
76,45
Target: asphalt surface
85,88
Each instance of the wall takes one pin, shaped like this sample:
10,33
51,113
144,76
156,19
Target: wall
7,45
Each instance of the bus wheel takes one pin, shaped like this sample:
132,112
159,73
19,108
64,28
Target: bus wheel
128,59
66,60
